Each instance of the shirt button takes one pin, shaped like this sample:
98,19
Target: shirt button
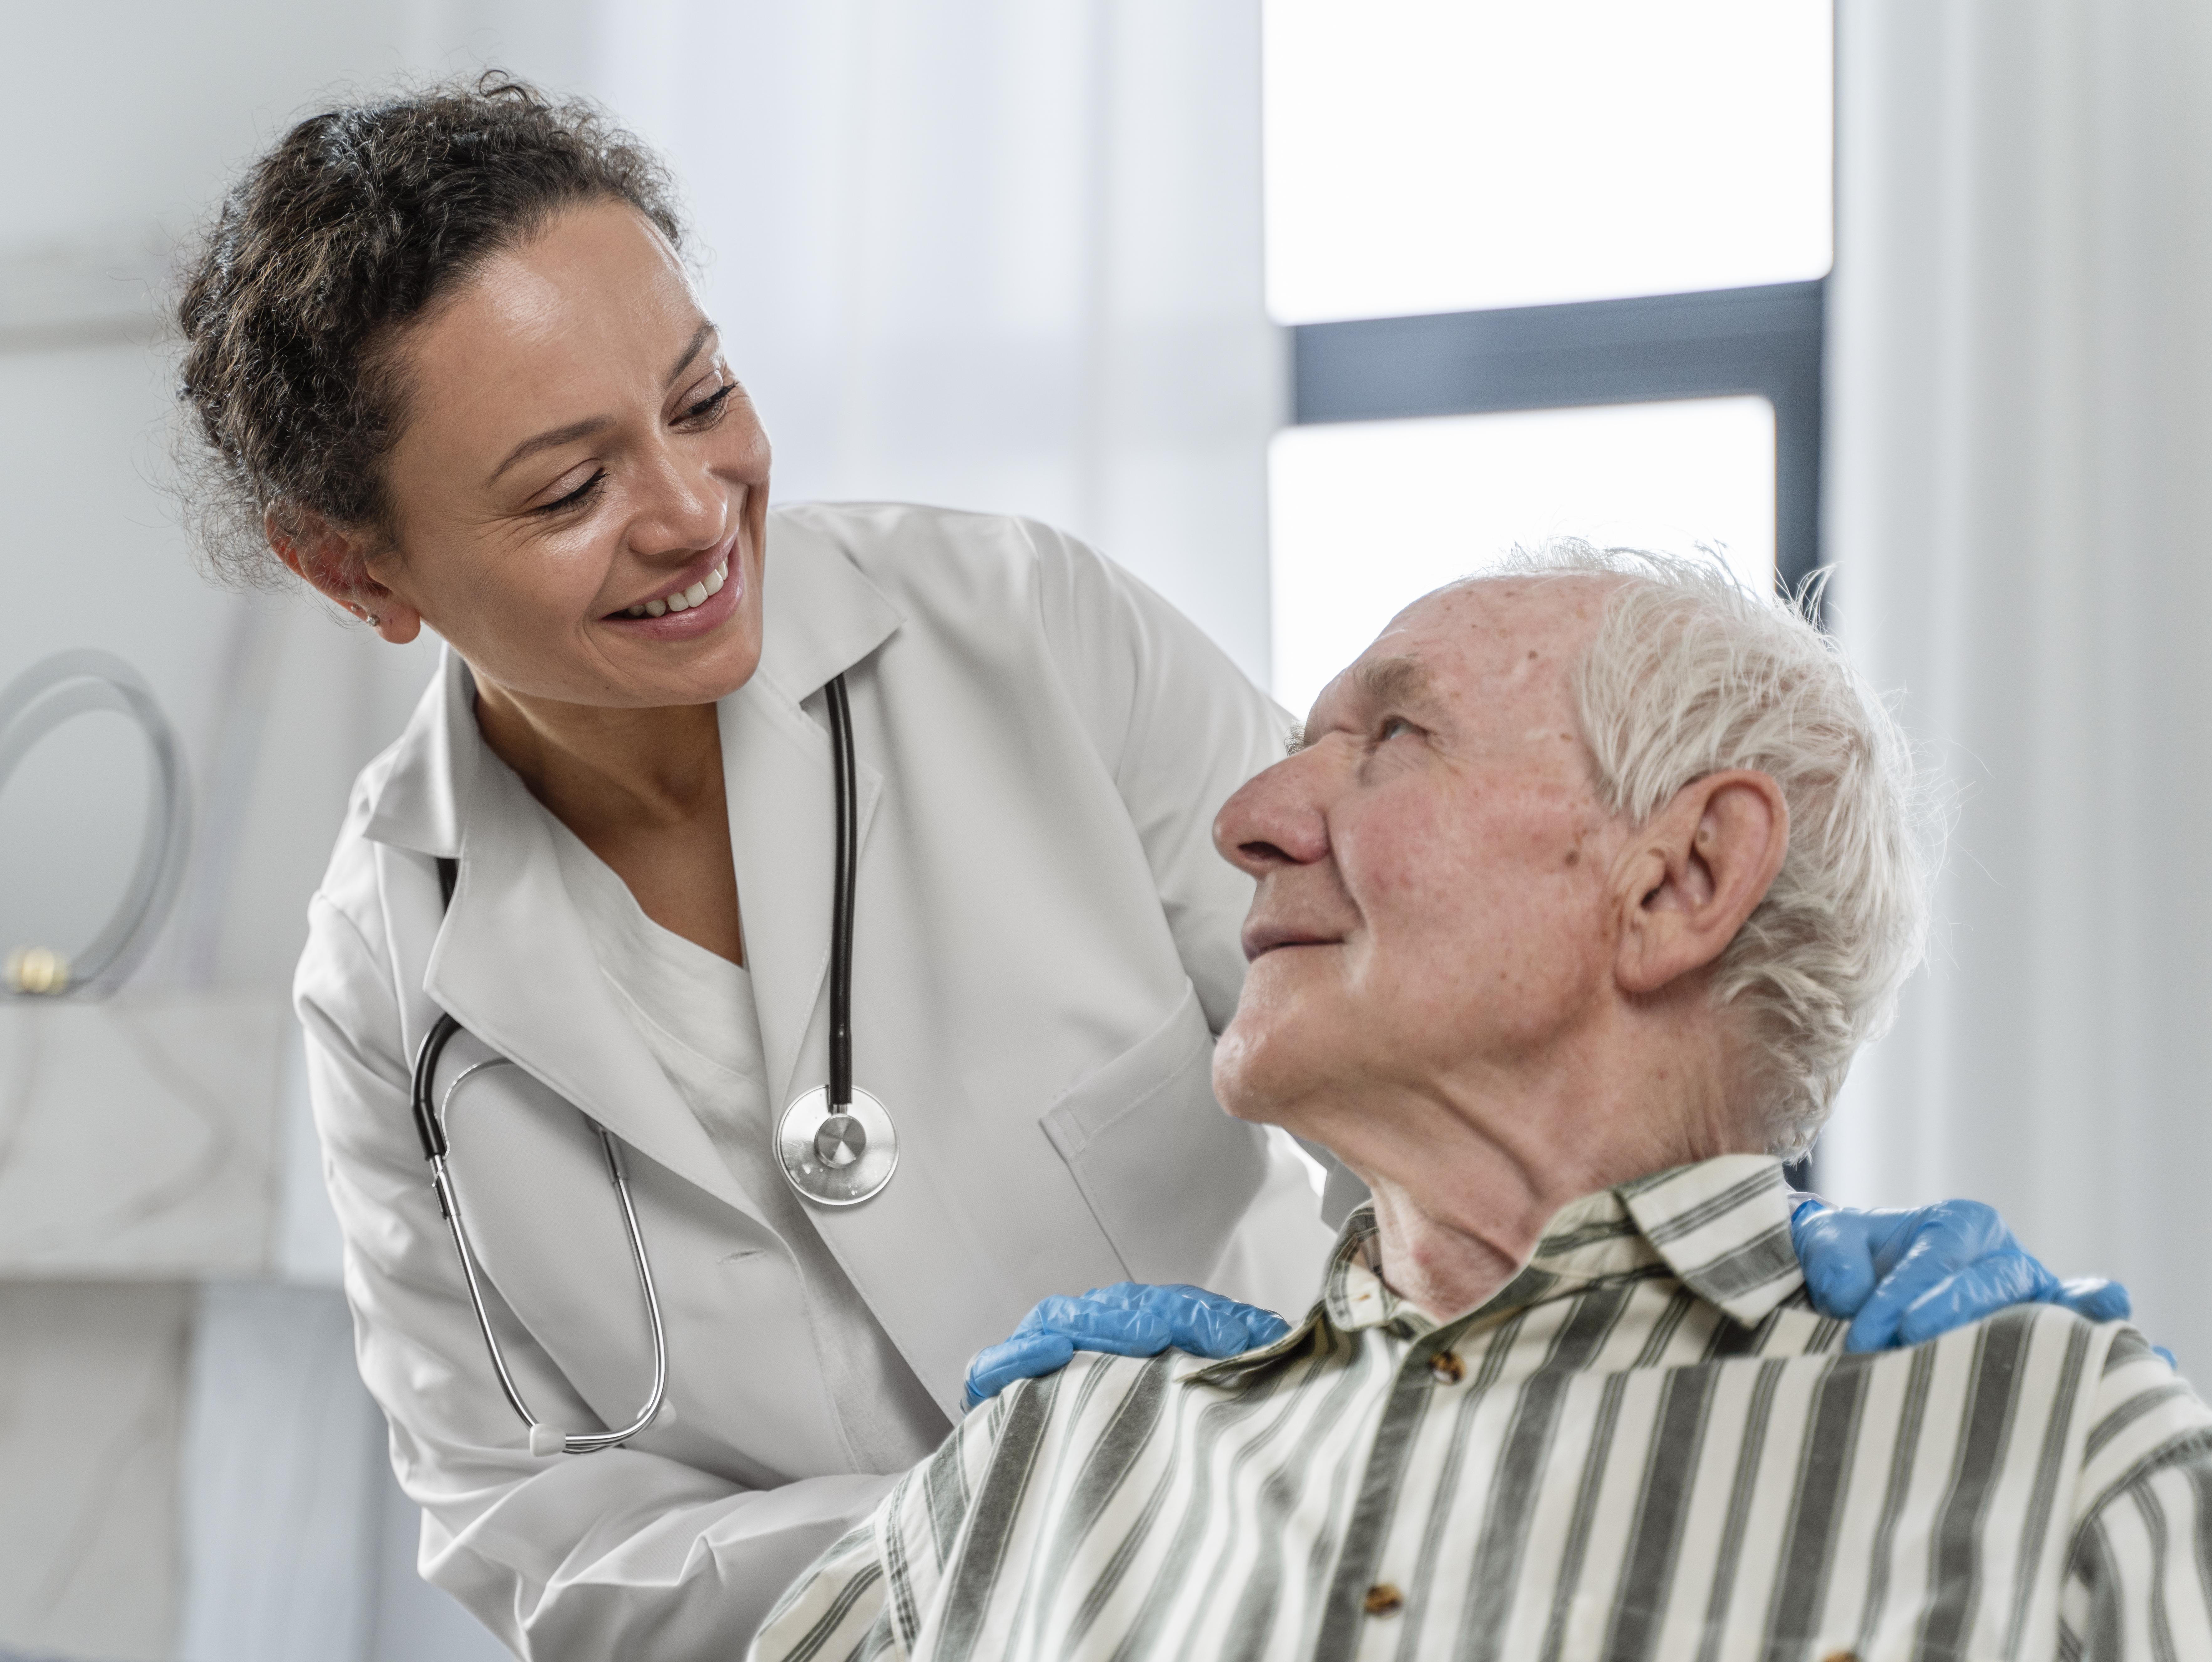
1383,1600
1447,1367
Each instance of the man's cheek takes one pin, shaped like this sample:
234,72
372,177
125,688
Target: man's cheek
1409,859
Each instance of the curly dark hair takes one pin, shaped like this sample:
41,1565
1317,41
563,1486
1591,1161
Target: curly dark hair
356,220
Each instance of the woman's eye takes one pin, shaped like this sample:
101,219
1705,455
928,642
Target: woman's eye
710,406
575,498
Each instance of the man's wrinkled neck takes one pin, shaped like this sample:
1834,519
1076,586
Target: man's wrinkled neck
1440,1267
1465,1180
1451,1232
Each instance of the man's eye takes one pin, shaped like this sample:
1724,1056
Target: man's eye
1393,727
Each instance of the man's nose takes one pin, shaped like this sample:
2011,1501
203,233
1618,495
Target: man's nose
1275,818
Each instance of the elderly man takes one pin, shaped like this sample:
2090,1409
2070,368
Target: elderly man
1587,884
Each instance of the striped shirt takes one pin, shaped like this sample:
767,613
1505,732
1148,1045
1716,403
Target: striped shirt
1648,1445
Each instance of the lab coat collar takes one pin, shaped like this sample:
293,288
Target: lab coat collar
433,767
822,617
513,965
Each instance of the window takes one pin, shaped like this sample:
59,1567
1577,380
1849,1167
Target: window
1369,515
1549,269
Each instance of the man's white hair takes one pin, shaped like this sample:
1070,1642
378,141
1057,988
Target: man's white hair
1692,674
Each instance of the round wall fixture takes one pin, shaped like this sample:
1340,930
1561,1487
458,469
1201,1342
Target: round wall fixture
49,693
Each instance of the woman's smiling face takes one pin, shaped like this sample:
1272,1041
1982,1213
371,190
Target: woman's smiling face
580,485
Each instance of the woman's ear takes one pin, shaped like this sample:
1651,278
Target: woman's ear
1697,870
333,560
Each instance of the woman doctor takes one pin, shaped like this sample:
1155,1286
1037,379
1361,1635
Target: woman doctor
450,368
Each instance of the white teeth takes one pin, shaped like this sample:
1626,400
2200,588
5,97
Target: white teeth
684,600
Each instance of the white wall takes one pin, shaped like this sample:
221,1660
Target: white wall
2020,483
992,254
91,1378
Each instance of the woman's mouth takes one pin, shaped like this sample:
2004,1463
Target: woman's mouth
683,600
693,603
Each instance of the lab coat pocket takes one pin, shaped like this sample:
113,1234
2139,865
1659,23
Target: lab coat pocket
1166,1171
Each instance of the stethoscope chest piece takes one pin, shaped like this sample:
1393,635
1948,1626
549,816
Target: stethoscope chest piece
837,1157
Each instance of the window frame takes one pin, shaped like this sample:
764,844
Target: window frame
1769,340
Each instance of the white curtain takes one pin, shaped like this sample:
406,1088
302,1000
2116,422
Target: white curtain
2020,492
991,254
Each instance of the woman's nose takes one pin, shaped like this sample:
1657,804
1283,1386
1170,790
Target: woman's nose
686,507
1275,818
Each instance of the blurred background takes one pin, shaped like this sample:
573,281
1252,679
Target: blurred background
1296,309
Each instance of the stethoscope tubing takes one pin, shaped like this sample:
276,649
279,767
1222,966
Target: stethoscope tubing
542,1435
845,770
431,1110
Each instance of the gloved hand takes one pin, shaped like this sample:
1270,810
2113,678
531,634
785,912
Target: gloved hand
1126,1319
1903,1277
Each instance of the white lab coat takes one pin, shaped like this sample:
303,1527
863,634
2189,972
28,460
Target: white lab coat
1047,943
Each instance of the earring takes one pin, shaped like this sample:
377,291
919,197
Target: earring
369,617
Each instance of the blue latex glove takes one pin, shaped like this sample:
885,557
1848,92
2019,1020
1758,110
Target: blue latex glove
1903,1278
1126,1319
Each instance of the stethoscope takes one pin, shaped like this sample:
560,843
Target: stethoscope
837,1145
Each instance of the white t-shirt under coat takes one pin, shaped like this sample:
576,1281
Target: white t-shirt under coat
695,1011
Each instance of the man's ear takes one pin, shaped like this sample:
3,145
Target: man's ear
333,560
1691,876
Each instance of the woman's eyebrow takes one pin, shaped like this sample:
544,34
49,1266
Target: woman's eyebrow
698,340
546,441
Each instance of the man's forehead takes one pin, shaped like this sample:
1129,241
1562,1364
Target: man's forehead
1512,607
1487,635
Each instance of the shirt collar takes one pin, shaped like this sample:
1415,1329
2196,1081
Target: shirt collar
1353,1293
1721,1227
821,616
